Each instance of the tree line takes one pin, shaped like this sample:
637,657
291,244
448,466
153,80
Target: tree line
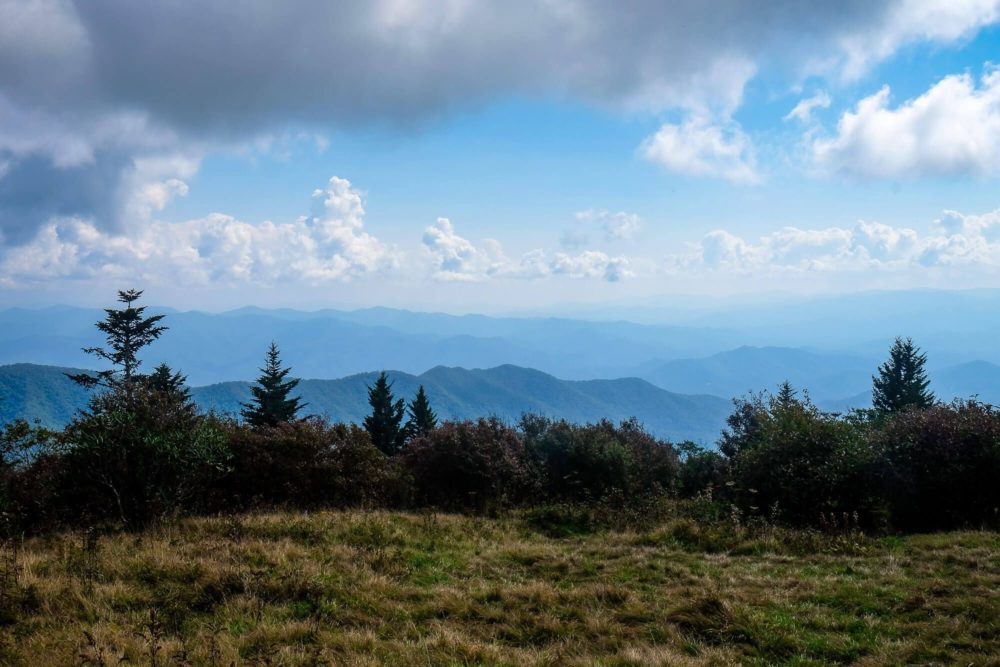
142,451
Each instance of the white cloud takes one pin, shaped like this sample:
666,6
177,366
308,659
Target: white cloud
455,258
592,264
971,241
217,249
803,110
698,148
952,129
620,226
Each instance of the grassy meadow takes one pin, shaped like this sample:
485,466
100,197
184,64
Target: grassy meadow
371,588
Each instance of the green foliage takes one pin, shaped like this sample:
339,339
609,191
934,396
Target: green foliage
581,462
271,404
701,470
902,382
422,418
127,331
139,455
385,423
793,462
170,382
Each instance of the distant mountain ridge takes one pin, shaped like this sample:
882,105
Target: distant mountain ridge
332,344
455,393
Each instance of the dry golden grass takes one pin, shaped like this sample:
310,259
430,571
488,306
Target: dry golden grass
357,588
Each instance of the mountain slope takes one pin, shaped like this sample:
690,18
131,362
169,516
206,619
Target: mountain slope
455,393
44,393
736,372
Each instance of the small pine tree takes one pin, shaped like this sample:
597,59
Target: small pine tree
384,424
271,404
422,418
902,382
164,379
127,331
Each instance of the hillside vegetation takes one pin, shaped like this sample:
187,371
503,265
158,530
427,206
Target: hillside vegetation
374,588
29,391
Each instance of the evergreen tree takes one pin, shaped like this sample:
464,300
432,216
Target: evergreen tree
786,396
902,381
271,404
385,423
164,379
127,332
422,418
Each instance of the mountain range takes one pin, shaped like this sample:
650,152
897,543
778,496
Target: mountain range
830,346
44,392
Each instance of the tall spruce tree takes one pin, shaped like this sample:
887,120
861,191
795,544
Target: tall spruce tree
385,423
271,404
127,331
902,382
422,418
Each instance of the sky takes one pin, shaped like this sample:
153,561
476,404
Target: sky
495,156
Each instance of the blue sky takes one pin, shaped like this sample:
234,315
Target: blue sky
495,156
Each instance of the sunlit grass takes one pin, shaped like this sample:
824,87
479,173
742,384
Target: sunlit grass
373,588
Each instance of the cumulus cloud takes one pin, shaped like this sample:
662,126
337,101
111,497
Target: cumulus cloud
87,88
951,129
218,249
803,110
455,258
699,148
957,240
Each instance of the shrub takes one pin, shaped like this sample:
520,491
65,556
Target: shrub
479,465
941,466
136,454
794,462
305,463
701,470
589,462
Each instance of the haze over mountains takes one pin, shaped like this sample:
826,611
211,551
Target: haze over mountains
830,346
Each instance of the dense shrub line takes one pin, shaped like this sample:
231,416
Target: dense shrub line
129,462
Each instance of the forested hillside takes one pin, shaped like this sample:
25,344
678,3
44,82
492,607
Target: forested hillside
46,393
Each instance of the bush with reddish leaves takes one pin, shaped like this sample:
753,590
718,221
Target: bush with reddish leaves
477,465
306,463
940,466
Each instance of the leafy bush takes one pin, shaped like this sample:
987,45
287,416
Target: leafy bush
701,470
589,462
138,453
305,463
941,466
479,465
793,462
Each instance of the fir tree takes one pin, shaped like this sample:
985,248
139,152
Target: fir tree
127,331
164,379
786,396
271,404
902,382
422,418
384,424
